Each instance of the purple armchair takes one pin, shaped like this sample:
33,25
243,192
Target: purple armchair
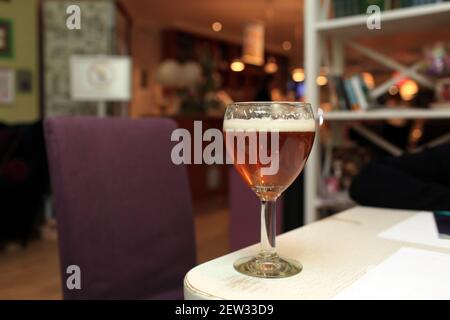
123,208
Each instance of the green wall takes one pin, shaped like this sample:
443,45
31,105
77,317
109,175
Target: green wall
24,17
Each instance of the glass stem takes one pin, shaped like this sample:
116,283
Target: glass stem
268,228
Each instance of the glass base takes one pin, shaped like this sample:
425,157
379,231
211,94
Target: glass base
268,267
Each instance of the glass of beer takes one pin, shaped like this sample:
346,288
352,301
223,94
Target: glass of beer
268,143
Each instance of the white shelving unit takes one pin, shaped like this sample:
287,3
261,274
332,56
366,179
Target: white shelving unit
387,113
393,21
319,28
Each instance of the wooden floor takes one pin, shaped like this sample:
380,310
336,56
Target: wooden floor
211,229
33,273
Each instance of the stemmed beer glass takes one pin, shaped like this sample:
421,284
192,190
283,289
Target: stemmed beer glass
269,143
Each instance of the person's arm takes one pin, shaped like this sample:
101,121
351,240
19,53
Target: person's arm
415,181
431,165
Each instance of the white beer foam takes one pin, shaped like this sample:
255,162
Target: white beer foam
282,125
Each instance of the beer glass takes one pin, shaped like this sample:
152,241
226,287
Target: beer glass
268,143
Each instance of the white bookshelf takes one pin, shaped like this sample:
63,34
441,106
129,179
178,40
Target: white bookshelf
319,29
392,21
388,113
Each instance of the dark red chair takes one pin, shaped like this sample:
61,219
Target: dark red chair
123,208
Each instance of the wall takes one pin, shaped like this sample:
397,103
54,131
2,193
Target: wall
95,37
146,46
241,86
24,17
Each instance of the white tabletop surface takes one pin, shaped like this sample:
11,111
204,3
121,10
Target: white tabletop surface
335,252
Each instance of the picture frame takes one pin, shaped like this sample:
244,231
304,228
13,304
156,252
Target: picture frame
6,39
24,81
7,86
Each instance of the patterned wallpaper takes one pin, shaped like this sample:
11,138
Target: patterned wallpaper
95,37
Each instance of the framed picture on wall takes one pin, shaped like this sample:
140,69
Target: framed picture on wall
6,38
7,85
24,80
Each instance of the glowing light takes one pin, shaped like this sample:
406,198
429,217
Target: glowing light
271,66
417,134
237,65
326,106
286,45
276,95
298,75
216,26
369,80
393,90
321,80
400,79
408,90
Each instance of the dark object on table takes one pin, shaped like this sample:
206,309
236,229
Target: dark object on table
442,219
418,181
123,208
23,182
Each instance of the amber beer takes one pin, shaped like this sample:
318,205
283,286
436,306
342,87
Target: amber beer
295,139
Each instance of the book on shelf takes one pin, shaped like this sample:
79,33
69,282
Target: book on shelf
359,92
363,5
413,3
338,96
349,94
388,4
345,8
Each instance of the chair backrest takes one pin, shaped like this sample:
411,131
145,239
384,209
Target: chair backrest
123,208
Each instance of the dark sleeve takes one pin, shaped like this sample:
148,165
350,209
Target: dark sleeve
432,165
415,181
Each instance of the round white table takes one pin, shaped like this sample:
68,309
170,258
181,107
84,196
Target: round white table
335,252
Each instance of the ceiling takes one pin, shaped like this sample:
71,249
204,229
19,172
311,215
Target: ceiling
283,19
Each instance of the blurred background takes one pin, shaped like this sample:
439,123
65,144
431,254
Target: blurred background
187,60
